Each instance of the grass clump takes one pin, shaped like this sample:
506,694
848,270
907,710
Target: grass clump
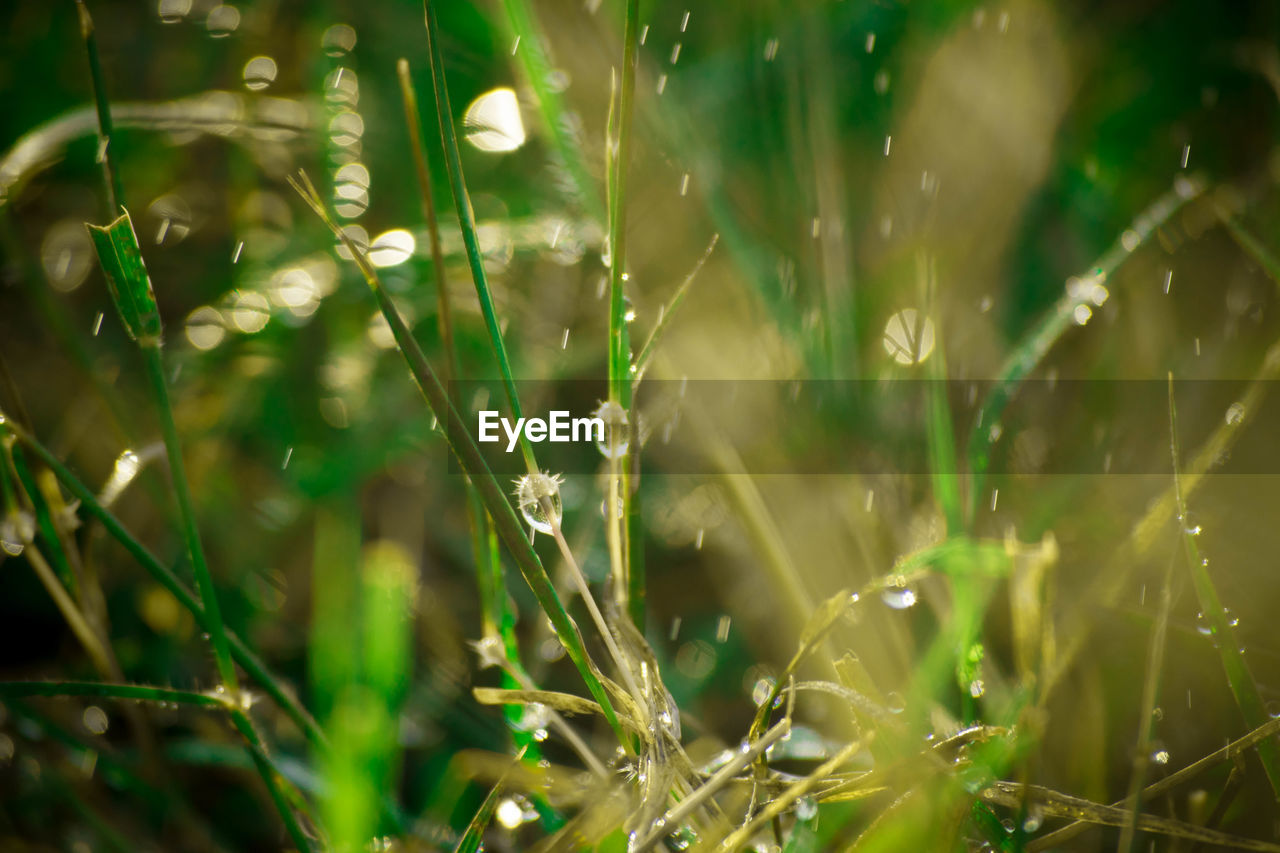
882,549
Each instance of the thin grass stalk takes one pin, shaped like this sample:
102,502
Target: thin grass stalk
467,452
620,364
413,120
186,510
495,609
531,55
1229,752
1037,342
1240,679
467,222
222,701
110,178
1150,690
166,578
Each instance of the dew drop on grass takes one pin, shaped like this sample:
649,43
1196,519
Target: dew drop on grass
1235,414
761,690
1033,820
977,688
531,490
617,430
509,814
1203,626
806,808
894,702
1160,756
898,596
339,39
259,73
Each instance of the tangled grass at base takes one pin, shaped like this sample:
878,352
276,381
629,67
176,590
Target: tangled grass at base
933,342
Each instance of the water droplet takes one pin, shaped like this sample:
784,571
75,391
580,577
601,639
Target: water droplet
1203,626
898,595
761,690
618,508
95,720
171,216
1160,756
391,248
1130,240
205,328
617,430
493,123
345,129
1235,414
909,337
173,11
1033,820
509,814
696,659
222,21
531,491
894,703
259,73
1081,314
806,808
338,40
65,255
250,312
1157,713
977,687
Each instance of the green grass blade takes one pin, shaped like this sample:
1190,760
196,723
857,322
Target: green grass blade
130,285
121,259
1033,347
161,573
44,523
23,689
668,311
1240,679
467,452
531,55
413,120
218,701
111,179
467,222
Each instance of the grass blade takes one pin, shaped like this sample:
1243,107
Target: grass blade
531,55
166,578
111,179
1243,687
467,452
1031,350
220,701
130,285
467,222
667,312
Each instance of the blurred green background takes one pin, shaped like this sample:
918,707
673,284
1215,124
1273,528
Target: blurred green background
837,149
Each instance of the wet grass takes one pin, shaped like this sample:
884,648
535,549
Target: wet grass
939,659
